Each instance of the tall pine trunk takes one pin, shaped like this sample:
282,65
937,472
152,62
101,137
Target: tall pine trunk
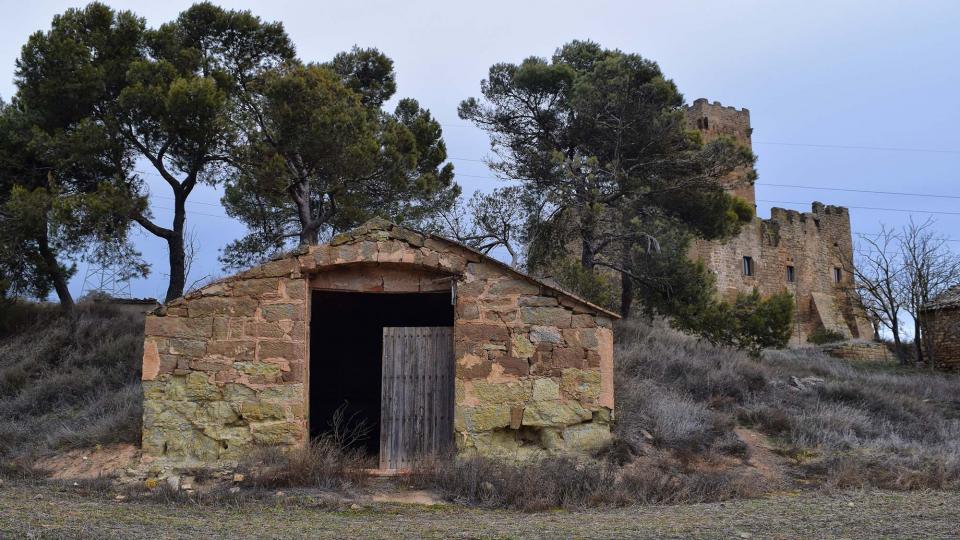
55,272
175,246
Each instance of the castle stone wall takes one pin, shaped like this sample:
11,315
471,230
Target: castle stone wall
815,244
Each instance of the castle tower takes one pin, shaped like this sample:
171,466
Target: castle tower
713,120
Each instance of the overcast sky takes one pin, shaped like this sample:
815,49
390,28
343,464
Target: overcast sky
816,76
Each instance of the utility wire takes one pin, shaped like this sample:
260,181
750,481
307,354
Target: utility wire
859,147
903,193
870,208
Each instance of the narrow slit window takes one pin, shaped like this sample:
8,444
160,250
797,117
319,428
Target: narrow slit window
837,274
748,266
791,275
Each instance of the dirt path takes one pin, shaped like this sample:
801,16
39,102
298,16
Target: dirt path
45,512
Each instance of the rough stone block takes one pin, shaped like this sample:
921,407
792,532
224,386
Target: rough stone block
276,433
259,411
228,327
283,392
538,301
468,311
508,286
258,288
583,320
554,413
546,316
222,305
510,392
185,347
294,289
545,389
182,327
237,392
151,360
487,417
264,329
587,437
288,350
582,337
514,366
199,388
545,334
472,367
580,384
259,371
521,347
482,332
235,349
569,357
278,312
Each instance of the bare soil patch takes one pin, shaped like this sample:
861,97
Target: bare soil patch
90,463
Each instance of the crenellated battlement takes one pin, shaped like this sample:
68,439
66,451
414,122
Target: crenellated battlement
704,102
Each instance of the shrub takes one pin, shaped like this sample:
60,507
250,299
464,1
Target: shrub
320,464
751,323
821,336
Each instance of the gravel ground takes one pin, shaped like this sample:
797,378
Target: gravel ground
50,512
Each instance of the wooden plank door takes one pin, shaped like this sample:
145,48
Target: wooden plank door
416,400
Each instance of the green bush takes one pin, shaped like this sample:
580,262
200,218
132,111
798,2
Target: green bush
821,336
751,323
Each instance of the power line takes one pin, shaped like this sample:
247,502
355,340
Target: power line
860,147
802,144
221,216
870,208
903,193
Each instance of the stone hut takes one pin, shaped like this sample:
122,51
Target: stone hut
942,320
431,344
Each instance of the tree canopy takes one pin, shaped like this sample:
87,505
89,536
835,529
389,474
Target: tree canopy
598,139
322,156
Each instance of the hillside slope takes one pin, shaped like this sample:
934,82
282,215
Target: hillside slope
694,422
69,381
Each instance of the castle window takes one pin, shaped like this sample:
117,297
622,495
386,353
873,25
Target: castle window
837,274
791,275
706,123
747,266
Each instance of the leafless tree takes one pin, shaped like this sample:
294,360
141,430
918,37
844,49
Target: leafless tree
929,268
489,221
876,269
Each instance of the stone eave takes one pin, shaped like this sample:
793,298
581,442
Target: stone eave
528,277
398,232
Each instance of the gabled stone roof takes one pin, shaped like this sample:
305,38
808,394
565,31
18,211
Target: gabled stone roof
400,232
948,298
381,229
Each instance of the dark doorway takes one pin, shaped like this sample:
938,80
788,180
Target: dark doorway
346,347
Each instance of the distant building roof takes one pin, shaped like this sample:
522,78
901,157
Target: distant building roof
946,299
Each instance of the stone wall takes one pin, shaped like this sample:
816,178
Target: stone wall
815,244
860,351
225,368
943,336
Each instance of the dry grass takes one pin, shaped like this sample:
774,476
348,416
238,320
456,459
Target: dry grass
861,426
577,483
321,464
69,381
